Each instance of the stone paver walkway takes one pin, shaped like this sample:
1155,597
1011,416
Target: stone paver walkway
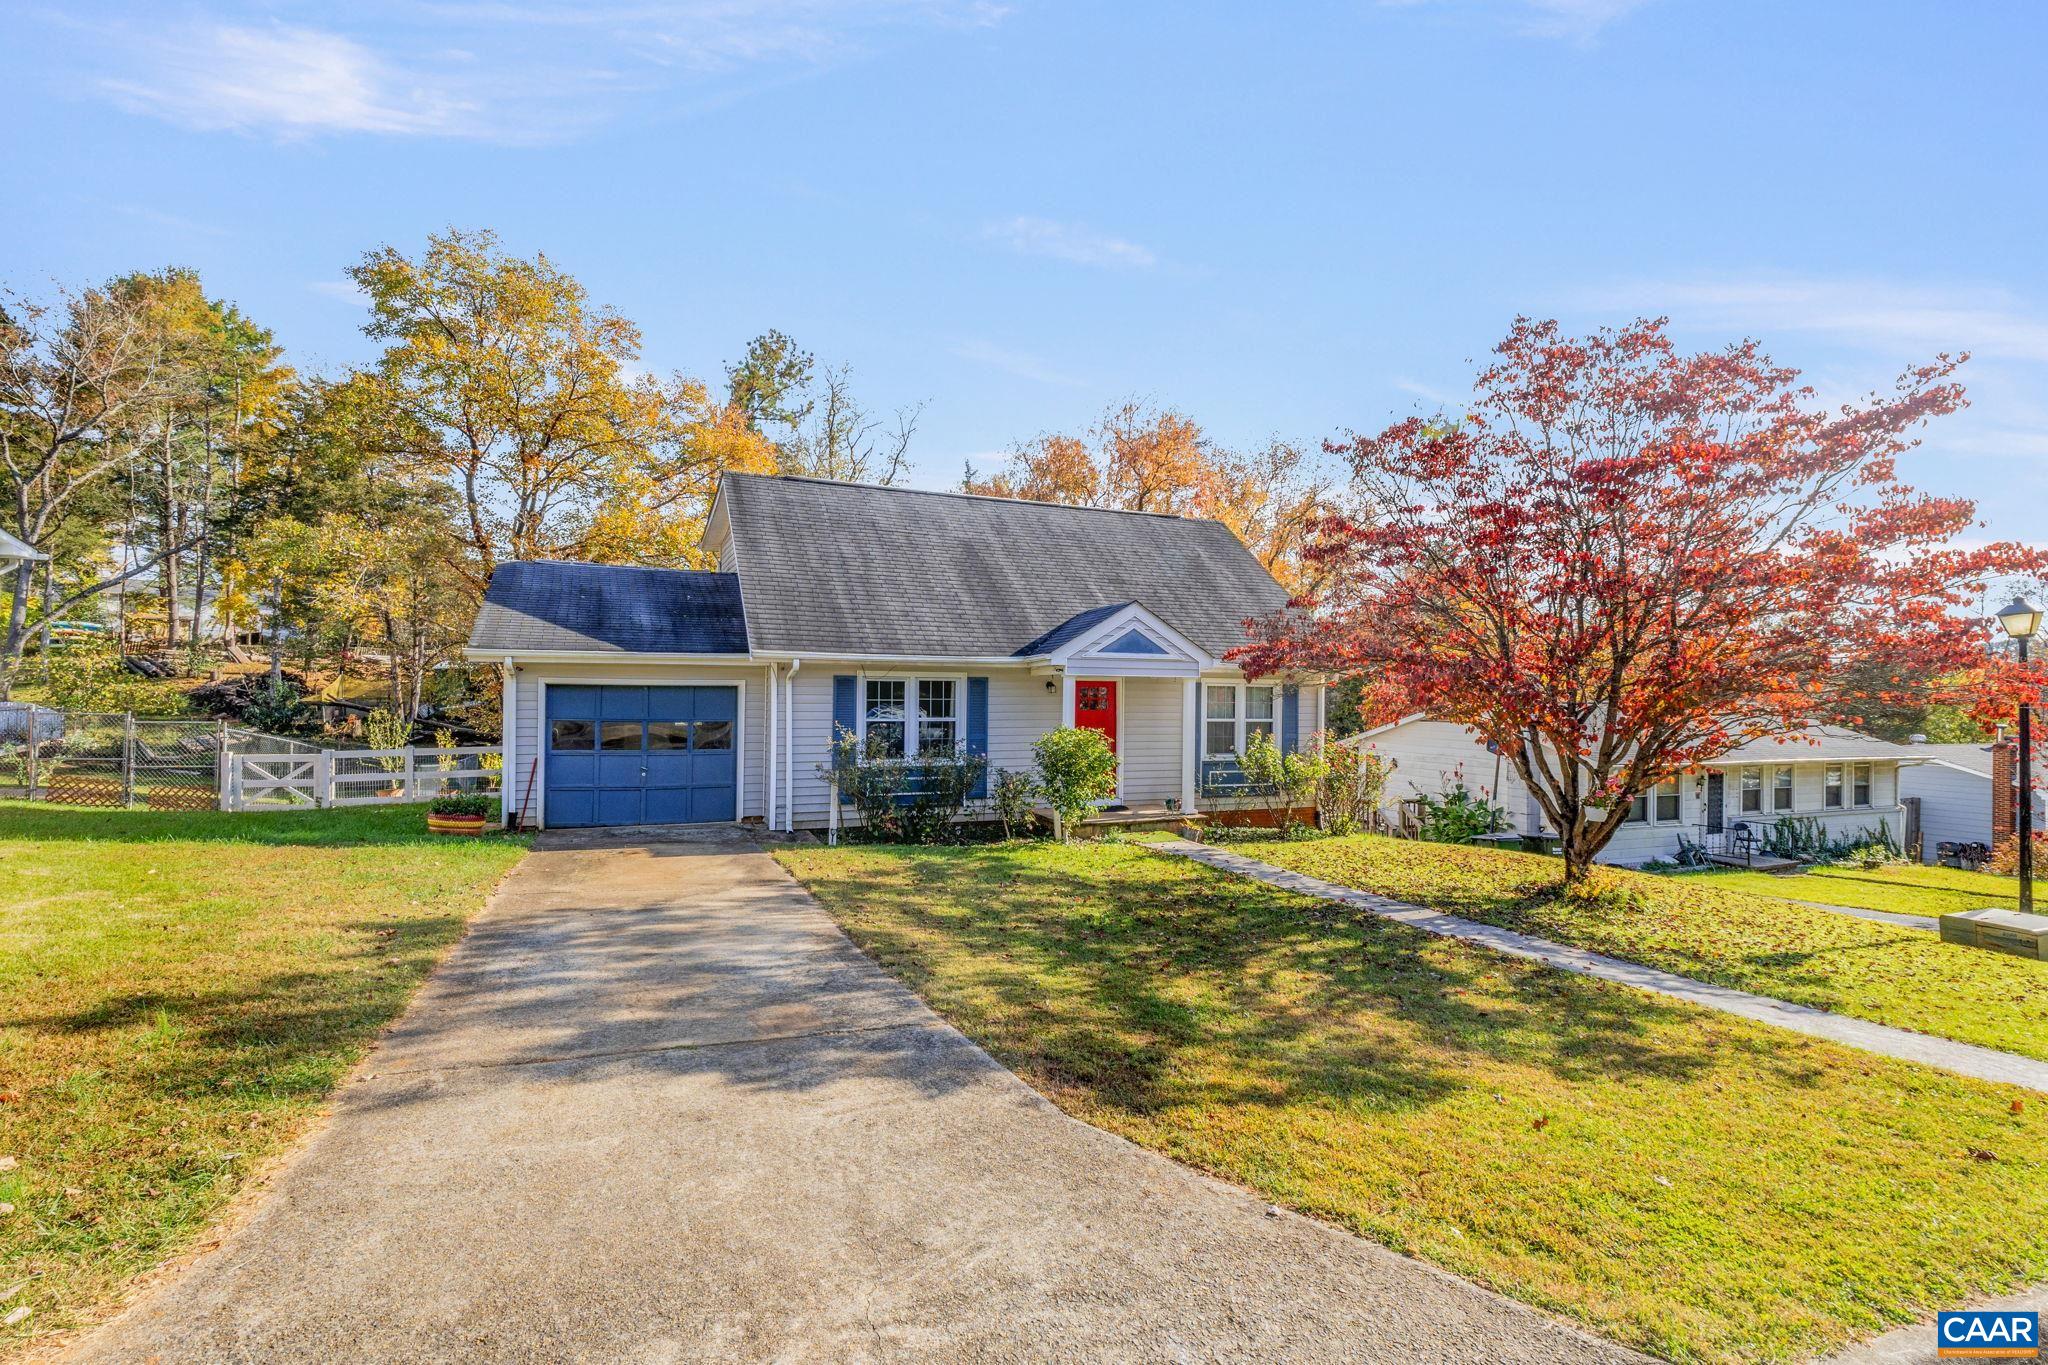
1981,1062
1925,923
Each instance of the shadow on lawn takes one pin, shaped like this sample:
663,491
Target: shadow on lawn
1151,989
280,1033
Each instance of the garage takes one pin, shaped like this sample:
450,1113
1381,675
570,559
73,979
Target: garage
618,755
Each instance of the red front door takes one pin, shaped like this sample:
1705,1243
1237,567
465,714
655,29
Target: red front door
1095,709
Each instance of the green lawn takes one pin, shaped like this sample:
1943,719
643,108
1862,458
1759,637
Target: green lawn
178,995
1692,1184
1906,889
1693,926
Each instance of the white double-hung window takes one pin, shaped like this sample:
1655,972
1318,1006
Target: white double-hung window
1233,712
889,727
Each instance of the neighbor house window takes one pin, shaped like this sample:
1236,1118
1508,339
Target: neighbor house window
1832,790
1781,789
1753,790
1638,811
1219,721
1667,800
1862,784
889,726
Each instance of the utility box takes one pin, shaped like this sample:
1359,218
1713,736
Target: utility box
2000,931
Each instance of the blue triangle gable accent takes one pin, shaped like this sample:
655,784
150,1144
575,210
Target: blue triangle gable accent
1133,641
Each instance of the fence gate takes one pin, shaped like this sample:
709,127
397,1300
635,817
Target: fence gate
116,761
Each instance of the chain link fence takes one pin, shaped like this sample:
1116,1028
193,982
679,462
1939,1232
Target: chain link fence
118,760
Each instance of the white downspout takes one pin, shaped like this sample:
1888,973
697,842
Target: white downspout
768,793
789,749
508,755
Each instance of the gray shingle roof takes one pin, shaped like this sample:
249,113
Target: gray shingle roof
858,569
1829,743
546,605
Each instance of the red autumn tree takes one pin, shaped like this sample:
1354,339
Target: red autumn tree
1624,560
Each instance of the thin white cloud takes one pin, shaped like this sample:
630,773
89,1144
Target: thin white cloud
1426,392
344,290
1018,363
1869,314
287,81
1069,242
495,70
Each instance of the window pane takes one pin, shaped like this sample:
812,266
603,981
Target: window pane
713,734
1832,788
1753,789
1092,697
573,734
885,738
622,734
885,700
1638,811
935,700
668,734
936,738
1862,784
1258,703
1257,727
1222,703
1781,789
1667,801
1219,737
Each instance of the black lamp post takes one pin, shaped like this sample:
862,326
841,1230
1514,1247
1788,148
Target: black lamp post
2021,620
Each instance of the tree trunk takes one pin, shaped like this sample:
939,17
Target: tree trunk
276,634
168,529
1578,860
17,626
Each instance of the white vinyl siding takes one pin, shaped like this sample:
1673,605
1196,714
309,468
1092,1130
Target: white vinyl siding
1148,738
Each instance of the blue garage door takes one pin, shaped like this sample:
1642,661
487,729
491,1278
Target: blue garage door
642,755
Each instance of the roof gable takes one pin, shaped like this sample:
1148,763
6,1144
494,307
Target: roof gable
856,569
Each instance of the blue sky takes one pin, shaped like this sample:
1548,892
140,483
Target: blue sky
1281,219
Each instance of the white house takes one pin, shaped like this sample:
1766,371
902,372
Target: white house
646,696
1848,783
1958,785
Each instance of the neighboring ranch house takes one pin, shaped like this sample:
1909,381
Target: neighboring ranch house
925,620
1846,781
1958,786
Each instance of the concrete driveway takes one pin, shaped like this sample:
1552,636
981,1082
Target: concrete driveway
656,1107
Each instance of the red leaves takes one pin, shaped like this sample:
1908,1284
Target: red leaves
1642,558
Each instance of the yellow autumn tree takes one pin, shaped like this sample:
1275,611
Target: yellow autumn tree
1145,459
500,376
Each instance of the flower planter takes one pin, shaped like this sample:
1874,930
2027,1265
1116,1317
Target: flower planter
455,824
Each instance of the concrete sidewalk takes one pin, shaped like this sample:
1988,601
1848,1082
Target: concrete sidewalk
1966,1059
657,1107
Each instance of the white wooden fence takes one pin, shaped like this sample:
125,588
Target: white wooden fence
354,777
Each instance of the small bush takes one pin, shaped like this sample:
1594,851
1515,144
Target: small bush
462,803
1458,817
2005,856
1075,770
1010,793
910,801
1282,782
1353,789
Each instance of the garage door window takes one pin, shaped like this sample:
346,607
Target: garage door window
667,735
621,734
713,735
573,735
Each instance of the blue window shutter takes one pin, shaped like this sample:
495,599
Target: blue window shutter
977,729
844,716
1290,718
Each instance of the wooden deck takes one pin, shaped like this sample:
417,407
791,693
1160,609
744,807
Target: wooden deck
1136,815
1754,862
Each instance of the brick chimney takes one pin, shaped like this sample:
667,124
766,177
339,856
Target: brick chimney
2004,787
